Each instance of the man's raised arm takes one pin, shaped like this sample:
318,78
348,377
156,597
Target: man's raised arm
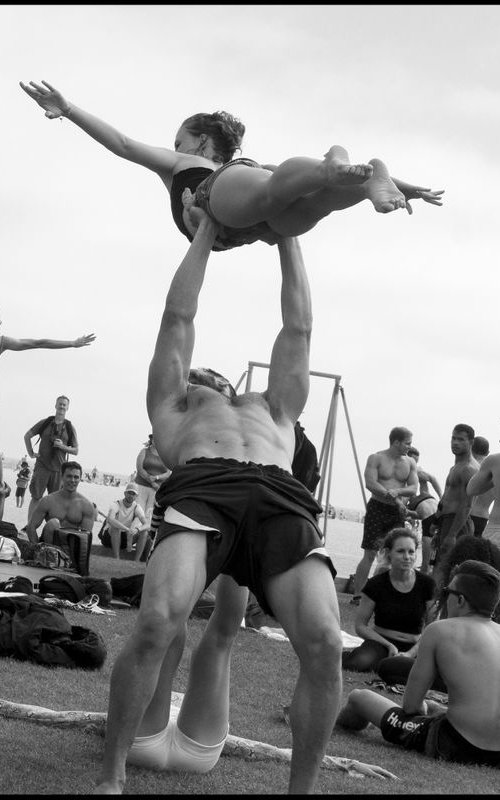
289,371
169,368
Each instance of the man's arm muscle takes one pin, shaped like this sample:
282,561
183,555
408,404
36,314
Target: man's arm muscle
288,385
169,368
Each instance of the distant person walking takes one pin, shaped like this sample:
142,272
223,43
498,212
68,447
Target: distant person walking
23,478
391,477
480,508
57,441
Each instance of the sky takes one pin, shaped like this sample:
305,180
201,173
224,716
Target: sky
405,307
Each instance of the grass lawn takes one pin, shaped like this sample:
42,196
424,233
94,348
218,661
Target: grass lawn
38,759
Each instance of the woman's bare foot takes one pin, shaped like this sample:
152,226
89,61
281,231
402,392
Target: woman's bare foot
342,173
382,190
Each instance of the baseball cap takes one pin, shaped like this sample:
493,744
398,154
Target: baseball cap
132,487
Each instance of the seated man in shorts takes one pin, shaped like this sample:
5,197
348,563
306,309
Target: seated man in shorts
66,509
232,508
465,650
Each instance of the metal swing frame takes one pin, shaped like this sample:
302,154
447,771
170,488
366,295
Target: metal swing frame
328,445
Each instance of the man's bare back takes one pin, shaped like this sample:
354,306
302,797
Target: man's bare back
488,478
467,654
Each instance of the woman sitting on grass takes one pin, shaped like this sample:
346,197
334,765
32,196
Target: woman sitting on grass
249,201
400,600
397,668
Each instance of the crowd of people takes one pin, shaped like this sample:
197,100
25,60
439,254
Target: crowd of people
222,484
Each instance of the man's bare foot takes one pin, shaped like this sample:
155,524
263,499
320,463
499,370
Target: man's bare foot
340,172
382,190
109,787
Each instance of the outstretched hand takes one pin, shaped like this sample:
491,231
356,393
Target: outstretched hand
83,341
358,768
420,193
47,98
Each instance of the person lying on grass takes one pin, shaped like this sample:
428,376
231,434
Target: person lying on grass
465,649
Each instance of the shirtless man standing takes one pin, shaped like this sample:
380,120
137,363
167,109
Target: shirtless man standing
487,480
63,509
233,507
425,505
480,508
465,650
453,516
390,475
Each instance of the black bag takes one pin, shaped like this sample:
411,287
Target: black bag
8,529
128,589
66,587
18,584
76,544
47,555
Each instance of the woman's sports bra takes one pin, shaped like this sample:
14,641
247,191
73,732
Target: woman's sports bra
190,179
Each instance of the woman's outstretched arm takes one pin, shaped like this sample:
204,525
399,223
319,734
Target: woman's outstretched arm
158,159
9,343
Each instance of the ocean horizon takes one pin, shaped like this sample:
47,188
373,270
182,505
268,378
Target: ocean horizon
343,536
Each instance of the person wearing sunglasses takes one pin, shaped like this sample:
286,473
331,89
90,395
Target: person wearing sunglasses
465,649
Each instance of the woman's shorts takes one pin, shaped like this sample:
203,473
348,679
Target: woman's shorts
232,237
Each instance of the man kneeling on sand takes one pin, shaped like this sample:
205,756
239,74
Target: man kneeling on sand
465,650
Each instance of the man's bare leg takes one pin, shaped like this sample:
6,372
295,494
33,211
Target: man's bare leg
363,706
305,212
243,196
304,601
363,570
204,715
174,580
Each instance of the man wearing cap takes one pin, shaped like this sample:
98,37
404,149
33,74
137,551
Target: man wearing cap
127,517
465,650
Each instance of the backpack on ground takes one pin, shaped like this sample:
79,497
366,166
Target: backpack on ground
50,556
76,544
8,529
19,583
67,587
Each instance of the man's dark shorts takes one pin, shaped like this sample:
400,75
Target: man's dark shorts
380,518
261,520
42,479
435,736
